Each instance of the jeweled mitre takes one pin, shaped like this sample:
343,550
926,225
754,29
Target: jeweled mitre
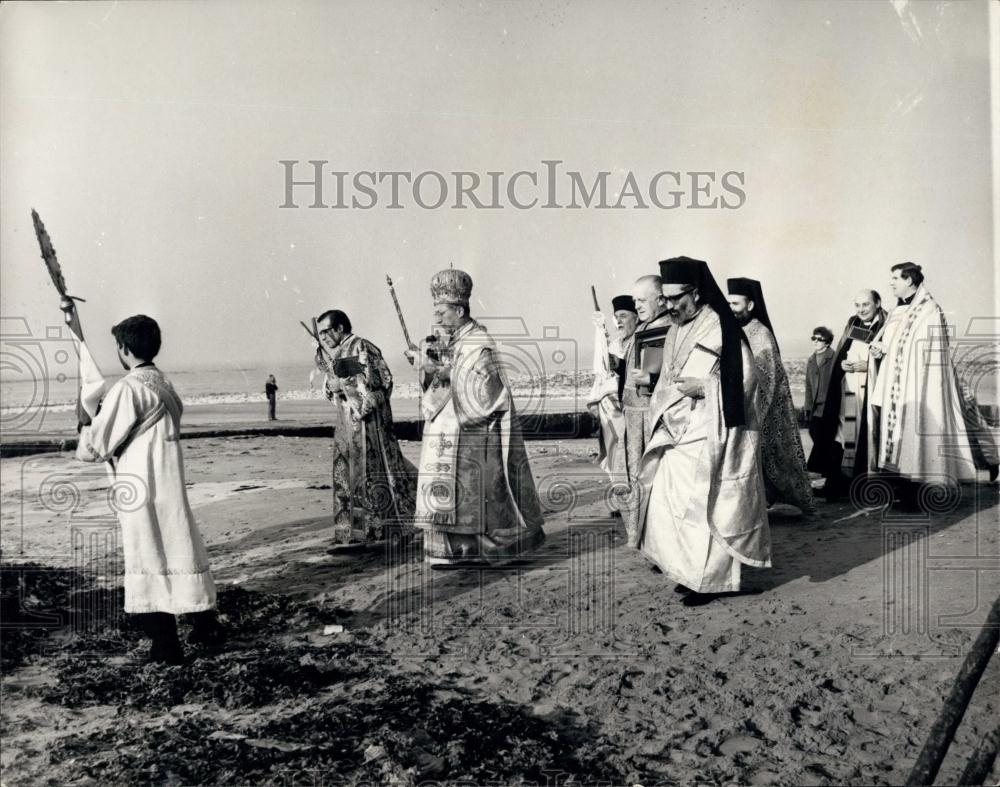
451,286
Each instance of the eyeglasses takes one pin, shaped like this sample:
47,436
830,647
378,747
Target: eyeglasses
819,339
673,300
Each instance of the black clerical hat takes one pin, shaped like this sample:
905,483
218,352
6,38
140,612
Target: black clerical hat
623,303
750,288
682,270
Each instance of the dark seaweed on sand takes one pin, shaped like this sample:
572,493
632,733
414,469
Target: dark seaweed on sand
271,708
401,730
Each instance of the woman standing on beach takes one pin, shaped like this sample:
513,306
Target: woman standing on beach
271,389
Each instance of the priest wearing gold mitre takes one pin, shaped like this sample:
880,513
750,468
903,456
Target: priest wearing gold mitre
476,498
703,512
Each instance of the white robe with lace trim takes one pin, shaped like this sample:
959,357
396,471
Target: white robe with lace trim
136,432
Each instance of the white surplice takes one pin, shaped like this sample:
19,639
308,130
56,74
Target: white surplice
137,433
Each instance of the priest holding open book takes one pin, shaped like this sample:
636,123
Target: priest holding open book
374,486
703,512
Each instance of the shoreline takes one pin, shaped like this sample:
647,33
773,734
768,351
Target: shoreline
555,418
560,418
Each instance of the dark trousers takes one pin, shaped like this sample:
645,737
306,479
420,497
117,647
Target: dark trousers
827,453
271,402
161,628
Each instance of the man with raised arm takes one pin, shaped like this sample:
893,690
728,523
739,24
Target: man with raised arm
136,432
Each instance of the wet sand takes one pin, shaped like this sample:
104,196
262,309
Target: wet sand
829,671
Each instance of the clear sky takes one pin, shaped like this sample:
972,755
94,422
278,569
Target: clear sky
148,136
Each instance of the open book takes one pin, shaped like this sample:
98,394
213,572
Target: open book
348,367
701,363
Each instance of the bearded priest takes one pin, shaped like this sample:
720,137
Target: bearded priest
703,510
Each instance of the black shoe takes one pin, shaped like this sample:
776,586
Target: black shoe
616,514
830,493
694,599
679,588
206,629
172,656
166,648
994,472
905,504
161,628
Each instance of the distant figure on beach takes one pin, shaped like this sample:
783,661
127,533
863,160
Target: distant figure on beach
846,406
643,355
136,432
373,483
925,426
703,510
605,400
476,500
271,391
783,460
824,458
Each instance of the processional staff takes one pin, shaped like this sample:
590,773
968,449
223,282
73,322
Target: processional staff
65,302
399,313
597,308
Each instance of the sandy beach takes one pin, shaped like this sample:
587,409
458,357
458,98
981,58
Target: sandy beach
366,666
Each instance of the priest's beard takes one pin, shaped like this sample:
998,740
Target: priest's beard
743,318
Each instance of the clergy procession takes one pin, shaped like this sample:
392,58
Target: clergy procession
697,433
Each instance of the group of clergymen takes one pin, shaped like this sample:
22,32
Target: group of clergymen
699,430
697,424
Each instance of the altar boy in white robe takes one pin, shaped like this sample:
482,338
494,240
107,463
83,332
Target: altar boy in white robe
136,432
703,511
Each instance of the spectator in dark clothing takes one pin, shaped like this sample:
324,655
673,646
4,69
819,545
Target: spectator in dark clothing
271,389
825,456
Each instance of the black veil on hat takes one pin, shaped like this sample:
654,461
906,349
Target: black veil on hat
684,270
623,303
750,288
